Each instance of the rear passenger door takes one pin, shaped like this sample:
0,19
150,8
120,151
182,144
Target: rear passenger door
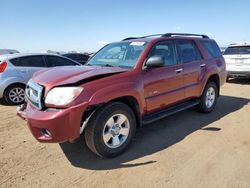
191,60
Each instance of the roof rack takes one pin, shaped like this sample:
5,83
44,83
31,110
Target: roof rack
168,35
130,38
152,35
184,34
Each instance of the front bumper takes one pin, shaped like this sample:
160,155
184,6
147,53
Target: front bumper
54,126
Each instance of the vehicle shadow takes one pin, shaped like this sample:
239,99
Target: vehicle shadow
242,81
2,102
154,137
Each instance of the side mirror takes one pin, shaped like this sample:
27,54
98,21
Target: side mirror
155,61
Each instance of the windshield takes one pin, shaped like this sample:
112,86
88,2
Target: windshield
237,50
123,54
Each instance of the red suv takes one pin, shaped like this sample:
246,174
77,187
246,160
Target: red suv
123,86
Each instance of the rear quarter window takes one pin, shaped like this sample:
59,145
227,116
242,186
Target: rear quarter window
212,48
14,61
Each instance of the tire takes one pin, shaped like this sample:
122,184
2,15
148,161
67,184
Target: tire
14,94
104,124
227,80
205,106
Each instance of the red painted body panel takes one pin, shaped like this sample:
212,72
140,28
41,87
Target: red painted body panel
153,90
63,124
162,87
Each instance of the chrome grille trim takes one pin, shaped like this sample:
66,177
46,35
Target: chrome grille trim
34,93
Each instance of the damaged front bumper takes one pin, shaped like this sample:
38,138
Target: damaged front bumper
53,125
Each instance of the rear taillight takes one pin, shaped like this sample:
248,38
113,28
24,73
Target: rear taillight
3,66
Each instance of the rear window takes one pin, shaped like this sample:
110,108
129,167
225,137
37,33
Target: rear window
237,50
212,48
73,56
77,57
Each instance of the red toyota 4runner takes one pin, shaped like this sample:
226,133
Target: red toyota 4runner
123,86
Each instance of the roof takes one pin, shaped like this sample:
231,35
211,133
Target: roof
239,44
10,56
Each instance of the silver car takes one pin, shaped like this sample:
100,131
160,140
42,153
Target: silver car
8,51
17,69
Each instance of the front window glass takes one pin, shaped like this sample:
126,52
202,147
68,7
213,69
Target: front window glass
237,50
54,61
166,50
124,54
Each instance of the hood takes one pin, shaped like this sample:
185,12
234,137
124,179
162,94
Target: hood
73,74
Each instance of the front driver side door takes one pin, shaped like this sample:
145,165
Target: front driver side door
163,86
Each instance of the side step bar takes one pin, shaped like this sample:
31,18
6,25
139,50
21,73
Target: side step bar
169,111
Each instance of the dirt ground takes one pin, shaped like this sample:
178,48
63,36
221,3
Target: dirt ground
188,149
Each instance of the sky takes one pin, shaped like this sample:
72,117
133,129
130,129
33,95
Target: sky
66,25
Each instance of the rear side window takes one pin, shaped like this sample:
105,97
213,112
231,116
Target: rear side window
212,48
28,61
53,61
188,51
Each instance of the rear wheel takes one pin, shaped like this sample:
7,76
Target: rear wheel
208,98
110,129
14,94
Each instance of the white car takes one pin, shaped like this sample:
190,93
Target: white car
237,57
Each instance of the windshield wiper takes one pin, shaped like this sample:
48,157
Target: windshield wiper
103,65
108,65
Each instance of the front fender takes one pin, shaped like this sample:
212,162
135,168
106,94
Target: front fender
115,91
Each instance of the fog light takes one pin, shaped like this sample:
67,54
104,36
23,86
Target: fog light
46,133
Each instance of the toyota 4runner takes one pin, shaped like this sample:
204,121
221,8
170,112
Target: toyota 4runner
123,86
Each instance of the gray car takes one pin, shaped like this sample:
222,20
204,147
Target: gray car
17,69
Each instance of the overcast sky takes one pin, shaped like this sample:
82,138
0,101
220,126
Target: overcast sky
62,25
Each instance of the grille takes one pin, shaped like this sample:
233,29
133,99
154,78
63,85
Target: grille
34,93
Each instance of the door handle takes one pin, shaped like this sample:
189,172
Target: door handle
178,70
202,65
23,71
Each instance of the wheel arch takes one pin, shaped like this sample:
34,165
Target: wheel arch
16,83
216,79
128,100
133,104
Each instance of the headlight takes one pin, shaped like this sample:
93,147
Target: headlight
61,96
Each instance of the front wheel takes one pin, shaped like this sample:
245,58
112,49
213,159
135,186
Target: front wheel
110,129
208,98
